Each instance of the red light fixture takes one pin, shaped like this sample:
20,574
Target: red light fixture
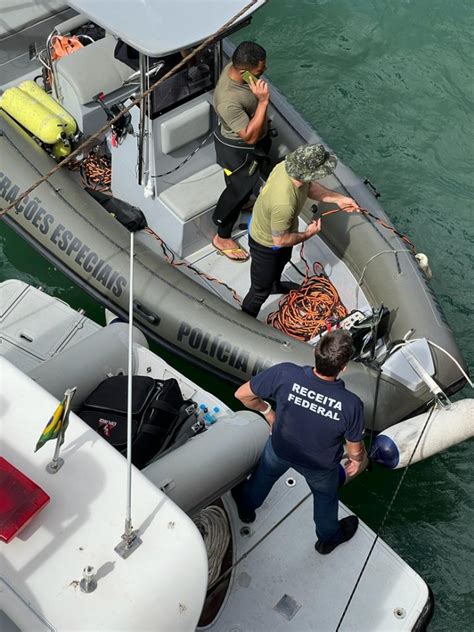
20,500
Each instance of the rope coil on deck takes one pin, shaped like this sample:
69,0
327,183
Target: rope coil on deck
96,172
315,306
214,528
312,308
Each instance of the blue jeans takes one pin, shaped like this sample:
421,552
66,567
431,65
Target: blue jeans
323,485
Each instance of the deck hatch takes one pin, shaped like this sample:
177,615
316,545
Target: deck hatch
287,607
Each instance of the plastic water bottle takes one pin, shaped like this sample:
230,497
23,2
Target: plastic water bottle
201,411
209,419
205,415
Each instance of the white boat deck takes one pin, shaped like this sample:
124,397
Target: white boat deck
34,327
284,584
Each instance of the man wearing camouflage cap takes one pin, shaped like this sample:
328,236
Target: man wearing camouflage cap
274,228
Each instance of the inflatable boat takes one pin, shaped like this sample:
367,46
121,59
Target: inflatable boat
160,158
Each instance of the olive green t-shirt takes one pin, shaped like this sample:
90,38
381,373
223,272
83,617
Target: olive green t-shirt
277,207
235,105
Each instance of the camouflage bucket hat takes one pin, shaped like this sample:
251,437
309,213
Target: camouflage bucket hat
310,162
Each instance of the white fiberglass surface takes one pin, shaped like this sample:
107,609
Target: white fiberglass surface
282,584
157,27
84,521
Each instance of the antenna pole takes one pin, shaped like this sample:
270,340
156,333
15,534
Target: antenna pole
130,540
128,516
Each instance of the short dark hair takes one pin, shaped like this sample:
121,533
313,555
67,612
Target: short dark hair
248,55
332,352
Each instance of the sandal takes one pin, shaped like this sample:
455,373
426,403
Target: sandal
227,252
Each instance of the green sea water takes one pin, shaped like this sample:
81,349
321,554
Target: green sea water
390,86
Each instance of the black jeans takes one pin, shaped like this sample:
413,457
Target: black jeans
244,162
266,267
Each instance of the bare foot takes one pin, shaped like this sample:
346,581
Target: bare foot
230,248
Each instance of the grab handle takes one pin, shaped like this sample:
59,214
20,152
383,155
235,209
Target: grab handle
371,186
150,316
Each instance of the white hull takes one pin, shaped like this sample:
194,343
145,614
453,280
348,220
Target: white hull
278,582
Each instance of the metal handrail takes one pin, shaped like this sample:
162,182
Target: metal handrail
136,75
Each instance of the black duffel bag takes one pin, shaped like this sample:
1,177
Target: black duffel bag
129,216
159,414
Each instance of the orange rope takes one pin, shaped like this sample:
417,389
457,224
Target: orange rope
170,258
312,308
303,313
96,172
315,306
367,213
404,238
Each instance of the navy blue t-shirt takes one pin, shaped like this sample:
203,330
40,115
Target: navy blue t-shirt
313,416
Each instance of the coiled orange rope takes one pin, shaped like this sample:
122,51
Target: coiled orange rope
312,308
96,172
315,306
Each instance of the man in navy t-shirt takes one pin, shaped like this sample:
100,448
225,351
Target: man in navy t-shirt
315,415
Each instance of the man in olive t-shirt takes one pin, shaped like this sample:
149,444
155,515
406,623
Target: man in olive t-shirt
235,104
241,140
274,228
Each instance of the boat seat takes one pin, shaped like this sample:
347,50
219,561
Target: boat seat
84,74
199,191
195,194
93,69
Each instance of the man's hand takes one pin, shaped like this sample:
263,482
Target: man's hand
270,417
357,459
256,125
353,468
312,229
260,89
318,192
346,204
282,239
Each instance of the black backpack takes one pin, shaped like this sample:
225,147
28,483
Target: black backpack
160,415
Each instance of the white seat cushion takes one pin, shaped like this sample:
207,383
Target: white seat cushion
195,194
93,69
185,127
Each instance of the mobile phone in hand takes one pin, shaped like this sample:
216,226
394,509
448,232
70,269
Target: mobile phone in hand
247,76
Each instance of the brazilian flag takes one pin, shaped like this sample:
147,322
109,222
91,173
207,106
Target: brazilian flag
53,427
